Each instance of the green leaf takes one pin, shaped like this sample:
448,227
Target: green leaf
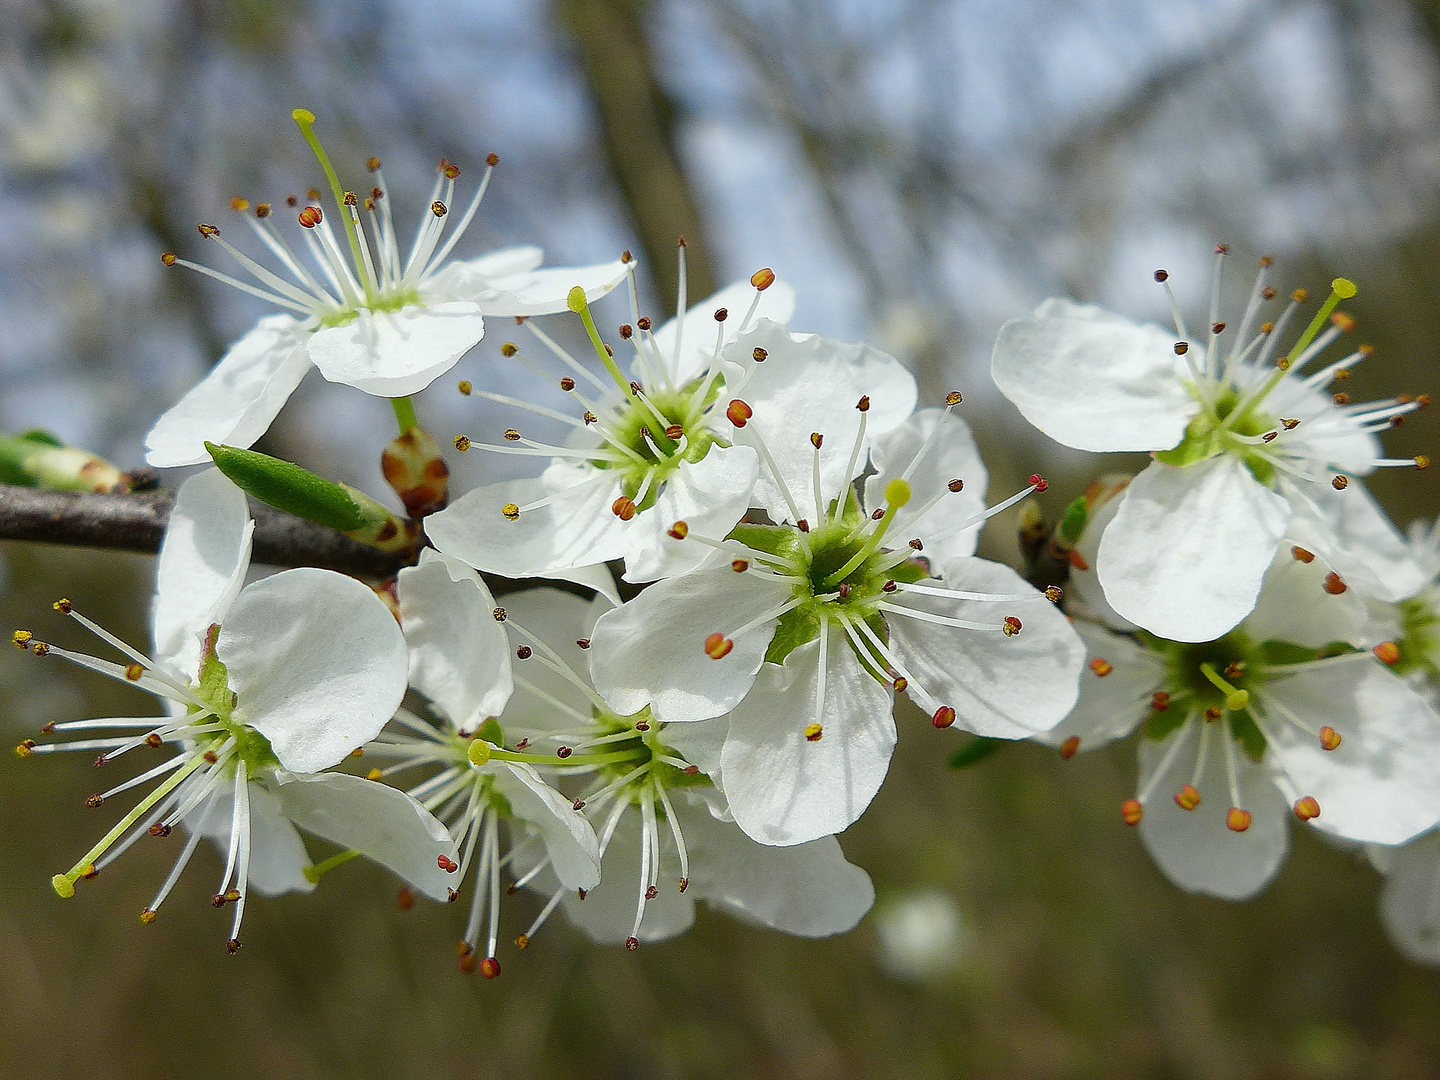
288,487
1072,522
13,454
771,539
977,749
43,437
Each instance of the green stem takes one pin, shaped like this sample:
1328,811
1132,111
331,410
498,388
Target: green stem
404,413
314,873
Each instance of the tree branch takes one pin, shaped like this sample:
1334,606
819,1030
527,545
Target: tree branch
136,522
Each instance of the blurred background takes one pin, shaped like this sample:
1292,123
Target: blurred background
921,171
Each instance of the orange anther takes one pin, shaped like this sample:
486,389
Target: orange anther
763,278
1070,747
944,717
1307,809
1334,585
1329,738
1101,667
1187,798
678,531
718,646
1131,811
813,732
623,508
739,413
953,398
1388,652
490,967
1160,700
1011,626
739,565
1077,561
1302,555
1237,820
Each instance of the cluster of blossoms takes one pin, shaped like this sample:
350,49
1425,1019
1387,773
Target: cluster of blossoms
797,535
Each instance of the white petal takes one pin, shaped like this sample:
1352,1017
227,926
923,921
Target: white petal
1382,784
1111,705
235,403
278,858
1294,606
1331,439
1410,904
465,279
1092,380
953,456
777,303
700,744
811,384
1001,687
1357,539
577,528
397,353
809,889
651,650
459,654
1194,848
1188,547
382,823
318,664
596,577
783,788
202,566
710,496
540,292
568,836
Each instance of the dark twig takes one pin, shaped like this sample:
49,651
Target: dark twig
136,522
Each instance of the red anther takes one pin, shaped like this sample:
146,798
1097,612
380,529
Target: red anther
405,898
1187,798
168,258
901,684
643,322
691,770
466,961
523,744
207,230
1307,809
759,355
567,384
563,752
816,439
1329,738
578,804
217,901
680,241
1039,483
1270,436
451,896
154,741
490,967
447,864
917,544
511,435
1011,626
1423,400
1183,347
739,413
944,717
1222,249
1101,667
1289,425
311,216
210,757
1070,747
651,893
492,160
583,642
863,405
160,830
1162,275
1131,811
133,672
498,614
1302,554
1054,593
1388,652
889,586
956,485
877,514
684,883
1077,561
590,418
844,590
48,729
721,314
1217,328
232,946
803,525
678,531
291,201
718,646
1341,398
350,199
1213,713
814,732
1334,585
631,944
673,432
626,331
438,208
1237,820
763,278
523,652
623,508
641,725
739,565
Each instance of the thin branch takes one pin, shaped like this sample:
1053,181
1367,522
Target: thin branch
136,522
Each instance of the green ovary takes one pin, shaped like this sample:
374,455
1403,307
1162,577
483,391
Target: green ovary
1208,435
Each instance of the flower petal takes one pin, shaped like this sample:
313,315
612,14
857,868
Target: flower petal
777,303
651,651
382,823
1382,783
808,889
999,686
1194,848
237,401
1093,380
784,788
1356,537
709,495
953,456
809,384
318,664
459,654
202,566
465,279
1113,704
701,744
576,528
1296,607
1188,547
397,353
1410,903
568,836
541,292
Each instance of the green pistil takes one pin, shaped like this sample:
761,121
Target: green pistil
305,120
313,874
1235,699
577,303
481,752
897,494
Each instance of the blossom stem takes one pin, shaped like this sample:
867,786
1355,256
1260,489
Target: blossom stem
404,414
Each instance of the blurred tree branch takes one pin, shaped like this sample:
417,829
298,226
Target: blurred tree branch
136,522
637,125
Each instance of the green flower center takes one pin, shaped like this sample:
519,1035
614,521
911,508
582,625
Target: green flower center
1216,430
655,455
